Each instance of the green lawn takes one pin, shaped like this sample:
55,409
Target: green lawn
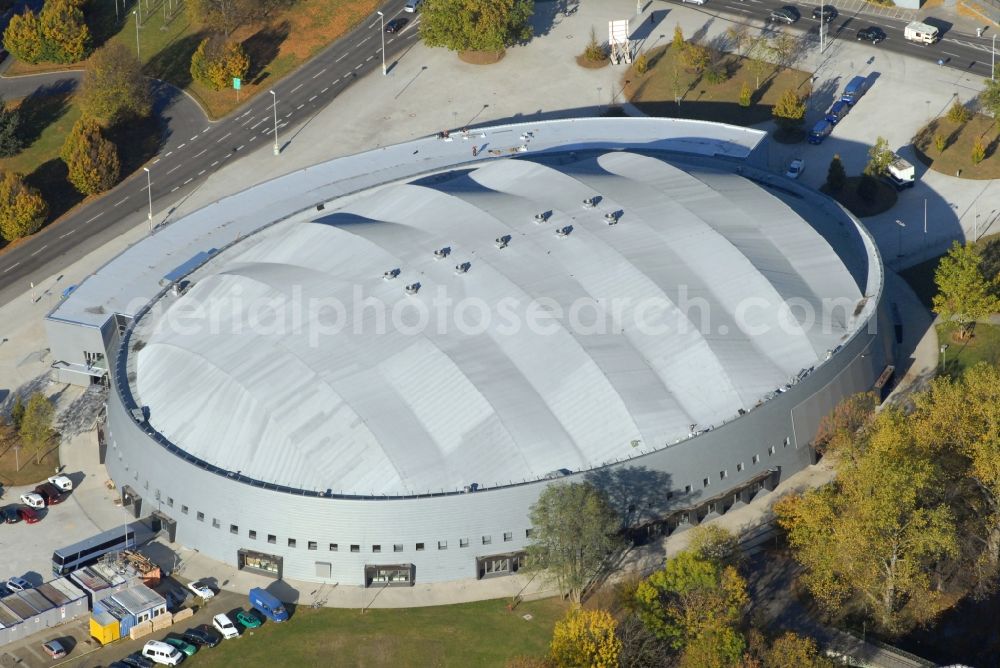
469,634
45,122
984,346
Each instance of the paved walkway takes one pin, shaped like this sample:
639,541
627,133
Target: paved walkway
428,90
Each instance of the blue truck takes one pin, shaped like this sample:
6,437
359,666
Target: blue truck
268,605
855,88
820,131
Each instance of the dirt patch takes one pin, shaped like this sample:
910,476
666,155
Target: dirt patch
481,57
584,61
957,153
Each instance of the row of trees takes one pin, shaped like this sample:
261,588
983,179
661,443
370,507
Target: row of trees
58,34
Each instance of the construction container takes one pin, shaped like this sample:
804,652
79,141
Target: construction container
104,628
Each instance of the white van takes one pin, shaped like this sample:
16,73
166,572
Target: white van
412,5
33,500
62,482
921,33
225,626
162,653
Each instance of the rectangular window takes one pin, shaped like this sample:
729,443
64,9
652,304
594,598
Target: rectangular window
312,545
770,450
398,547
291,542
376,548
739,467
253,535
184,509
755,459
687,489
201,517
170,502
272,539
215,523
705,482
333,547
723,475
233,528
420,547
527,533
507,536
487,540
355,548
442,545
787,441
463,542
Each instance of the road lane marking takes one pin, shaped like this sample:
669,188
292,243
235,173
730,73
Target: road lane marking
188,181
214,163
95,217
174,188
335,82
300,106
311,99
210,127
223,137
288,114
168,154
369,58
324,90
240,147
341,58
182,146
364,40
319,73
201,172
193,138
252,137
120,201
254,126
173,168
296,88
63,236
204,151
949,53
39,250
11,267
358,66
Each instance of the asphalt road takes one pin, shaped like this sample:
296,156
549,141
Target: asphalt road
194,148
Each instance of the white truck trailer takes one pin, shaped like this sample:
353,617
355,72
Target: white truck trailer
921,33
900,173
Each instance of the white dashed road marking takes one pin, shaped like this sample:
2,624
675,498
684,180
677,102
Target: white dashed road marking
296,88
120,201
223,137
94,217
173,168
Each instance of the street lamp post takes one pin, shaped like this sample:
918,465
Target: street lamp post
274,98
822,24
381,18
149,191
135,13
944,357
899,251
993,59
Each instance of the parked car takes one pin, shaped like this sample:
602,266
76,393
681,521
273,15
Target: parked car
837,111
795,168
28,515
248,619
872,34
53,495
201,635
225,626
9,514
137,660
201,589
412,5
62,482
184,646
162,653
54,649
820,131
695,2
18,583
33,500
395,25
786,14
826,13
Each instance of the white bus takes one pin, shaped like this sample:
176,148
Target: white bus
86,552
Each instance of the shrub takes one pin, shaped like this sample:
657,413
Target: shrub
641,64
217,61
594,52
958,113
939,143
746,95
716,73
978,152
836,177
790,111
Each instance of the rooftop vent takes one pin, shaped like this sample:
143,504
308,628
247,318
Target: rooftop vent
564,231
391,274
463,268
612,216
502,241
542,217
591,202
442,253
412,288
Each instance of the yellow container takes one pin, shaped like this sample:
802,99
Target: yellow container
105,629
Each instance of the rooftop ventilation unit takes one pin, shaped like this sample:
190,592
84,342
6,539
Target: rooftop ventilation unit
391,274
502,241
412,288
542,217
591,202
463,268
442,253
564,231
612,217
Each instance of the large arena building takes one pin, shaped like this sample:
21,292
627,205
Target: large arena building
367,371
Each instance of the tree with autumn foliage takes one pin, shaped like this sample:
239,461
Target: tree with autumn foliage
585,638
23,37
217,61
114,87
964,295
790,111
91,159
22,209
64,31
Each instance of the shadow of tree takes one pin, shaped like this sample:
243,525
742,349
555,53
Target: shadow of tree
638,494
173,63
262,48
549,13
43,107
50,178
137,141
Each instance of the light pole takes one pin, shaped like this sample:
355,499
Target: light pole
149,191
135,13
381,18
993,59
274,98
899,252
944,357
822,24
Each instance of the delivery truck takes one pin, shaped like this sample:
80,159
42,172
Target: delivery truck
268,605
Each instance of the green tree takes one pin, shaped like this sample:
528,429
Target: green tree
222,15
978,151
476,25
217,61
836,177
790,111
793,651
595,52
113,86
879,158
65,35
91,159
714,543
964,293
574,531
678,42
989,99
23,37
693,597
958,113
17,413
585,638
757,62
869,541
939,143
10,138
696,57
36,425
22,209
